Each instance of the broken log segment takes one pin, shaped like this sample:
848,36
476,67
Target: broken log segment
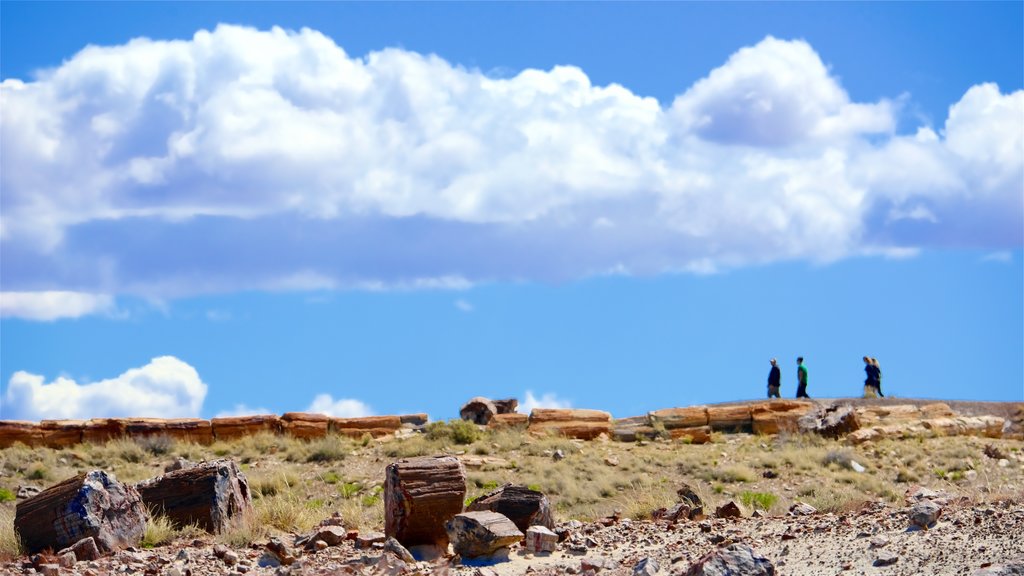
92,504
213,495
571,423
234,427
481,533
303,425
524,507
420,495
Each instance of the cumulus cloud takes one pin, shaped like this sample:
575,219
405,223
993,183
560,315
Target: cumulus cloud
341,408
273,160
546,400
53,305
166,387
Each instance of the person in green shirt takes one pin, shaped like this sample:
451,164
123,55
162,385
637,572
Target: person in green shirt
801,377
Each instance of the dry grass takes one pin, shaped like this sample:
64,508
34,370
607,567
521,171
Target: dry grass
10,544
161,530
297,484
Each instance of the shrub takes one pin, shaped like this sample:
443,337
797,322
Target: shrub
156,445
349,489
37,471
762,500
329,449
162,530
6,495
455,430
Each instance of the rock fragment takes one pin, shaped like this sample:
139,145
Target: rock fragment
483,533
523,506
924,515
214,495
540,539
733,559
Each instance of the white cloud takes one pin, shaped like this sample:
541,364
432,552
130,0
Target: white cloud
464,306
53,305
1003,256
166,387
547,400
272,160
341,408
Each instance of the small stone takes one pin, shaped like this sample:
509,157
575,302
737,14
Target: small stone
49,569
394,547
558,455
802,509
924,515
67,559
885,559
598,564
268,560
85,550
611,461
646,567
319,545
878,542
728,510
856,466
219,550
331,535
539,539
28,491
368,539
230,557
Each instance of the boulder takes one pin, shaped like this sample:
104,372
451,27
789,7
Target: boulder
513,420
304,425
420,495
61,433
478,410
524,507
214,495
672,418
90,505
540,539
13,431
735,418
234,427
732,559
571,423
481,533
414,420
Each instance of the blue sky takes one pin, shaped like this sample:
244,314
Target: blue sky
382,208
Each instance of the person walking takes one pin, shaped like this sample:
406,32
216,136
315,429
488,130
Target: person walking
801,378
878,377
871,379
774,380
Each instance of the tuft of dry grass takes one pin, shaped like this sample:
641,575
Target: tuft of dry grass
10,543
161,530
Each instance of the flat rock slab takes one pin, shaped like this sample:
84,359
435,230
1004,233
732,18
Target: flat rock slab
483,533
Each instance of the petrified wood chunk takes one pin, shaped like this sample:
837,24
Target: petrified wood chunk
481,533
672,418
375,426
233,427
11,431
572,423
506,405
478,410
511,420
730,418
303,425
524,507
211,494
420,495
91,504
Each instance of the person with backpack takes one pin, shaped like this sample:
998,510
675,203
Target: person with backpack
871,380
878,377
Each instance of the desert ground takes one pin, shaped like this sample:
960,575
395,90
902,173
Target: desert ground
807,504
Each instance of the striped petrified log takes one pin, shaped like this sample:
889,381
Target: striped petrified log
211,494
673,418
92,505
774,416
375,426
61,433
13,431
234,427
511,420
571,423
524,507
735,418
420,495
180,429
304,425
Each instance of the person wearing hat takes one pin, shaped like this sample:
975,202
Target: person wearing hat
774,380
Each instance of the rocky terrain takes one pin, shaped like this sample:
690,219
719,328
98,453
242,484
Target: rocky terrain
927,489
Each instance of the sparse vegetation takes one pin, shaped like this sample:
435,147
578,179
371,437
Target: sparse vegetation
10,545
161,530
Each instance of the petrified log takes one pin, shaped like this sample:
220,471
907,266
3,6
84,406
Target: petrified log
12,431
481,533
478,410
211,494
61,433
234,427
831,422
375,426
572,423
180,429
303,425
672,418
730,418
420,495
539,539
506,405
774,416
92,505
100,430
633,428
414,420
524,507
